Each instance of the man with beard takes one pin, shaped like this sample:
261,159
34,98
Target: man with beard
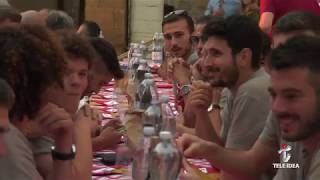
231,55
177,27
295,128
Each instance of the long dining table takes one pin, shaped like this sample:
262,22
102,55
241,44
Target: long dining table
107,103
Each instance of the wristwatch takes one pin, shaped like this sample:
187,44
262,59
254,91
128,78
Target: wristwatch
214,107
184,90
63,156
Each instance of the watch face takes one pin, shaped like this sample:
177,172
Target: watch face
185,90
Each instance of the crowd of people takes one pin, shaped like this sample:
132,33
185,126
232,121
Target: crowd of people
248,91
46,69
250,94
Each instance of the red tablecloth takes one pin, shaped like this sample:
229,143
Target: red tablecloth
106,102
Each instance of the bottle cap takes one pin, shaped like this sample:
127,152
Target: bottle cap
165,135
147,75
155,36
148,130
143,61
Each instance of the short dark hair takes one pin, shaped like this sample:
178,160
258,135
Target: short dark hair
7,12
297,21
299,51
31,60
59,20
266,45
92,29
240,32
204,19
167,8
108,55
6,94
174,17
77,46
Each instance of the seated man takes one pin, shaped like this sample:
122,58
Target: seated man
79,55
295,23
293,126
178,69
6,102
184,75
177,27
32,62
231,55
105,67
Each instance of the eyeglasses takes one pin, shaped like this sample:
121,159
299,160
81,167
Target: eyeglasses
195,39
176,12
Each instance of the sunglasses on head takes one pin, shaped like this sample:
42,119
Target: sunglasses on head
176,12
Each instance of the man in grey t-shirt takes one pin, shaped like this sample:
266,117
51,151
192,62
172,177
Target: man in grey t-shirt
294,132
300,155
232,57
19,162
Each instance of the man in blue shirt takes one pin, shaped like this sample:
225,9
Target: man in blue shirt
229,7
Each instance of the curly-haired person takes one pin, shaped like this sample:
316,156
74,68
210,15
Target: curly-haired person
79,56
33,62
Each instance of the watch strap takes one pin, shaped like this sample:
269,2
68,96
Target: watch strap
63,156
214,107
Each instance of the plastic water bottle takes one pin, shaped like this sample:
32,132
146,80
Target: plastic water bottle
165,159
136,62
144,94
153,112
142,69
133,64
140,166
143,49
168,118
157,49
